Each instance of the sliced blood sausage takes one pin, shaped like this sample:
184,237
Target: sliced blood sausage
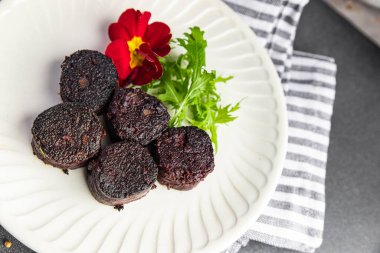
123,172
67,135
184,157
89,78
135,115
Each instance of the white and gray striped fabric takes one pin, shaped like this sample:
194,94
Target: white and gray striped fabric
294,217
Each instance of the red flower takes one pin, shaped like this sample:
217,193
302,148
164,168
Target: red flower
135,47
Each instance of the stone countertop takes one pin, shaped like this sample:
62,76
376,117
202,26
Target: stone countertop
353,169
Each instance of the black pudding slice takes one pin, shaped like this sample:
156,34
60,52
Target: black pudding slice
184,157
67,135
89,78
123,172
135,115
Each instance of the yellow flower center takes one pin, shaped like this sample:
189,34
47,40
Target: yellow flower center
136,58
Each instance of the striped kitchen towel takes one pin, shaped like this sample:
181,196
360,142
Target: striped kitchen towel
294,217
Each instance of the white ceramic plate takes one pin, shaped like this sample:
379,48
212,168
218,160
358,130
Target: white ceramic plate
52,212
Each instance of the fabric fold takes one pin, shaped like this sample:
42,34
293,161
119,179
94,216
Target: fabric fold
294,217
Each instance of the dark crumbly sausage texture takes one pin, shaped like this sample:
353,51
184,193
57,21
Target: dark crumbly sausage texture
184,157
123,172
135,115
67,135
89,78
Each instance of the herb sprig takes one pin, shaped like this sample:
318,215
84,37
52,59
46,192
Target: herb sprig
190,90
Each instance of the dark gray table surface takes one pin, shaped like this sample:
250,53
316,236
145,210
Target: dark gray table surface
353,169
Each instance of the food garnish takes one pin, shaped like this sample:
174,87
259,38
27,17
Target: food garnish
190,90
136,46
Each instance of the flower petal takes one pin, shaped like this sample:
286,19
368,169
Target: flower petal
129,19
150,70
158,36
116,31
147,73
143,23
120,55
135,22
163,51
147,52
144,74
